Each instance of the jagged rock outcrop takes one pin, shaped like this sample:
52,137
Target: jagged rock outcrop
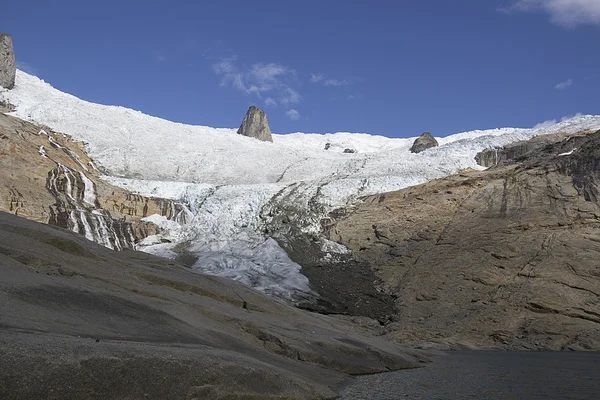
423,142
256,125
48,178
503,258
80,321
8,65
517,151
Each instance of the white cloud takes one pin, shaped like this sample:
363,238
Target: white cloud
25,67
564,85
569,13
551,122
316,78
335,82
292,114
546,124
259,80
320,78
566,117
289,96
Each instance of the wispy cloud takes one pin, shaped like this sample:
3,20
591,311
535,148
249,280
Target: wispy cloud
320,78
290,96
292,114
564,85
545,124
569,13
260,79
335,82
592,76
316,78
551,122
26,67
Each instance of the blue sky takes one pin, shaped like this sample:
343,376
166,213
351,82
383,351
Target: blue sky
389,67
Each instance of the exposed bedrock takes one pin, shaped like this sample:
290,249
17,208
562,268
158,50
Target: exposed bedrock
47,177
80,321
504,258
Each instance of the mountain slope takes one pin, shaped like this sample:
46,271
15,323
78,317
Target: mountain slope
505,258
236,187
47,177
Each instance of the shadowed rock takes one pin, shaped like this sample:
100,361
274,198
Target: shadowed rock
8,66
423,142
256,125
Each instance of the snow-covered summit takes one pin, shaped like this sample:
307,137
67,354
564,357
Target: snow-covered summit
227,180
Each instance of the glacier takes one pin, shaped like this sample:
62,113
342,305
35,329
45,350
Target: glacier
231,184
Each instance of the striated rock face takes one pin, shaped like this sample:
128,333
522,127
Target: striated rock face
8,65
504,258
256,125
48,178
424,142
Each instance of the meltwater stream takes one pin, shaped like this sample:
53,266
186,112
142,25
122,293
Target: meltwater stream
488,375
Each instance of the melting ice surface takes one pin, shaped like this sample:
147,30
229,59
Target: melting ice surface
228,180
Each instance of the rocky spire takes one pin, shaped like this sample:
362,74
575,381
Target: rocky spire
424,142
8,66
256,125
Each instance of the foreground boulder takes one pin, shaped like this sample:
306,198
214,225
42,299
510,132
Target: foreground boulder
8,66
423,142
256,125
80,321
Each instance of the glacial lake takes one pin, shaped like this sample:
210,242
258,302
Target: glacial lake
488,375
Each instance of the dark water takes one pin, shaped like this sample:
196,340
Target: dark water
488,375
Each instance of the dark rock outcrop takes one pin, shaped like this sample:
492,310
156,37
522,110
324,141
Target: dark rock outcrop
349,151
8,66
423,142
518,151
503,258
256,125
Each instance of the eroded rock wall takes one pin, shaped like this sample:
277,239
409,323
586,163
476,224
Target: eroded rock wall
48,178
506,258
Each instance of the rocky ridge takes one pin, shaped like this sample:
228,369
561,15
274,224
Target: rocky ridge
504,258
48,178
